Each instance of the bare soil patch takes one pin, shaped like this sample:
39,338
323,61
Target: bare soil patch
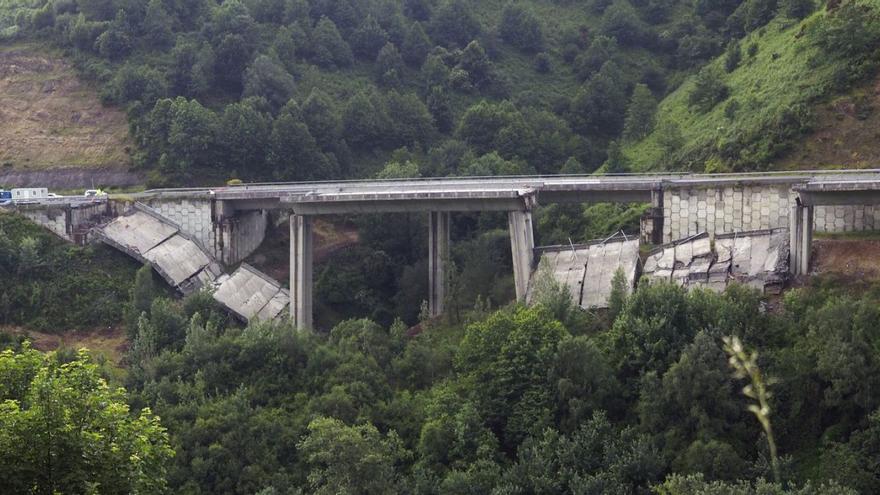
273,256
110,342
49,118
855,259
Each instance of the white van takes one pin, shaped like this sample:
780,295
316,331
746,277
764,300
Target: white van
26,193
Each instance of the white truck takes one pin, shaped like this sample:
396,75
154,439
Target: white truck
29,193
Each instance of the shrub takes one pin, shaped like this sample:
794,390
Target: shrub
709,89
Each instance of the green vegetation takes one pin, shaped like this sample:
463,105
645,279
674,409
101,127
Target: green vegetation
547,399
770,90
51,285
544,399
64,430
220,90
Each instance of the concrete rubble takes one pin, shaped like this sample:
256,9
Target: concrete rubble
756,258
251,294
587,270
186,265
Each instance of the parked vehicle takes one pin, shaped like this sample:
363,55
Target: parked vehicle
25,193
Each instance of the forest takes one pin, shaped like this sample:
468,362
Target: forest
318,89
668,391
654,395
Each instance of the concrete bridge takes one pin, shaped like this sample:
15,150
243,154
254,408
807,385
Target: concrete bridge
231,221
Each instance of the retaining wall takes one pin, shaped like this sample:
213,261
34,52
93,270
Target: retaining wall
230,239
689,211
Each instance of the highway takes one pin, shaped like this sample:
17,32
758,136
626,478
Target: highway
552,188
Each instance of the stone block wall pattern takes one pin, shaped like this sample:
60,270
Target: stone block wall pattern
193,216
230,239
690,211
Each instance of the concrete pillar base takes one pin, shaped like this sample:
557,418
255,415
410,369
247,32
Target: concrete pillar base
522,245
801,234
806,239
301,271
657,216
438,256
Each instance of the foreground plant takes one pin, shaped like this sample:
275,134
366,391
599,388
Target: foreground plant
745,365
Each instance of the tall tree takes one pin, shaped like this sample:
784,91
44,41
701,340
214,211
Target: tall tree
389,66
368,39
266,79
520,28
329,50
416,45
453,24
640,113
64,430
351,459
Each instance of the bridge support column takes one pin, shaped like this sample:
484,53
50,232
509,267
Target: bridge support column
806,239
522,245
657,216
438,256
801,235
795,224
301,271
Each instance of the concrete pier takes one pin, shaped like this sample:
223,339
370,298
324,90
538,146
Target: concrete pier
806,239
801,237
522,245
301,278
657,216
438,257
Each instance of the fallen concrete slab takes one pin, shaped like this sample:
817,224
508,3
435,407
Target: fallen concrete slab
587,270
186,265
756,258
251,294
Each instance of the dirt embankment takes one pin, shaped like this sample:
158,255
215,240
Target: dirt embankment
273,256
858,259
112,342
71,178
50,119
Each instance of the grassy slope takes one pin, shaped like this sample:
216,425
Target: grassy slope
779,76
846,133
53,119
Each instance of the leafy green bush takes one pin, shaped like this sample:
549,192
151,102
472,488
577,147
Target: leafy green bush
55,286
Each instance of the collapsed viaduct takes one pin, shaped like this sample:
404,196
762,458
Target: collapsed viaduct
231,221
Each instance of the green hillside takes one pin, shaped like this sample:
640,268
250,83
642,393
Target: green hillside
768,99
297,89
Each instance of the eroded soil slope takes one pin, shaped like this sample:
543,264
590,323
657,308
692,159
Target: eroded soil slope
50,119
